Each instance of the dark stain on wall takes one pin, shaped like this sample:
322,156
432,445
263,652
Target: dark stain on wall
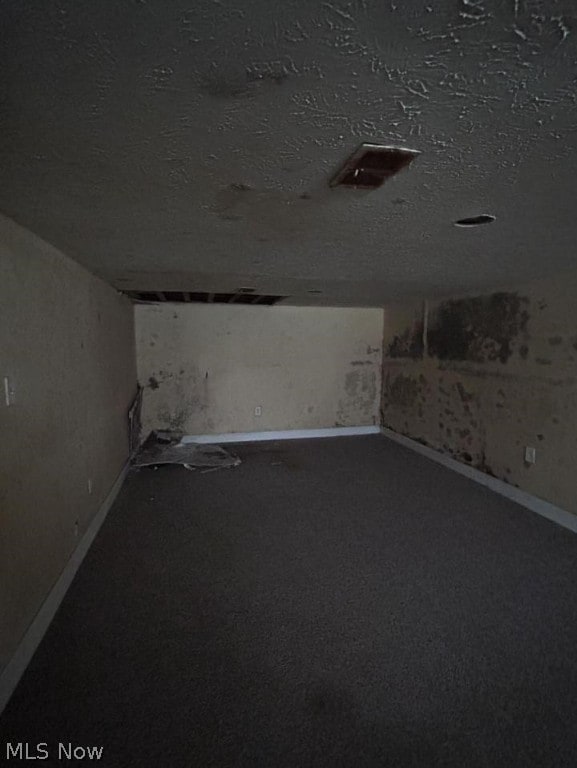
461,433
484,467
470,340
175,420
479,329
465,396
360,394
409,344
153,383
402,391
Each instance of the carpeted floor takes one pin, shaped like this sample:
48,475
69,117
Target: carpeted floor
340,603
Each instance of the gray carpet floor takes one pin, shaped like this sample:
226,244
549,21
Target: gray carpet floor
341,602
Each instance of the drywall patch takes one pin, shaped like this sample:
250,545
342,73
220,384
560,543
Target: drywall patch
479,329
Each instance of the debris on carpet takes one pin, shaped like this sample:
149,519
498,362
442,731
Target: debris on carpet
134,422
164,447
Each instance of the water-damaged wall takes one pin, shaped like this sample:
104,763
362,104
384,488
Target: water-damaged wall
206,367
482,377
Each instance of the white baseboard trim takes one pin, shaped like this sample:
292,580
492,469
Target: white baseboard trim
540,506
11,674
288,434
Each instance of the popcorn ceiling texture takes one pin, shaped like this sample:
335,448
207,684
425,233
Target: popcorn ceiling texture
175,145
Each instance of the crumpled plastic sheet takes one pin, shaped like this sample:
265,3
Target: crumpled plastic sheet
167,448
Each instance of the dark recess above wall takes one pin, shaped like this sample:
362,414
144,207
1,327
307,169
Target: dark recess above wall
190,297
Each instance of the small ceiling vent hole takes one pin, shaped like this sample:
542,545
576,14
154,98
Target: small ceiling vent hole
371,165
475,221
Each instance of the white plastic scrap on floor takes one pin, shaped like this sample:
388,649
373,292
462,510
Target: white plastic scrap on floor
166,448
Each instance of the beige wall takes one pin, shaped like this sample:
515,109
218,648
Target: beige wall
499,373
206,367
67,344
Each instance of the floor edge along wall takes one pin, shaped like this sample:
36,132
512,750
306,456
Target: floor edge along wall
286,434
535,504
10,676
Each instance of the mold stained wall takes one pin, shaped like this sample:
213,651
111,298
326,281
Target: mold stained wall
206,367
491,375
67,346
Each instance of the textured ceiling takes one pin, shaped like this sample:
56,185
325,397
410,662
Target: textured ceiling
175,145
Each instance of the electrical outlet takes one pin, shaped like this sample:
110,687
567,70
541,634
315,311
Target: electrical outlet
530,454
258,410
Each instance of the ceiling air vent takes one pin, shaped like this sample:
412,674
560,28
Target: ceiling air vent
187,297
475,221
373,164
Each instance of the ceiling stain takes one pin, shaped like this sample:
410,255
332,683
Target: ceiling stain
122,126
